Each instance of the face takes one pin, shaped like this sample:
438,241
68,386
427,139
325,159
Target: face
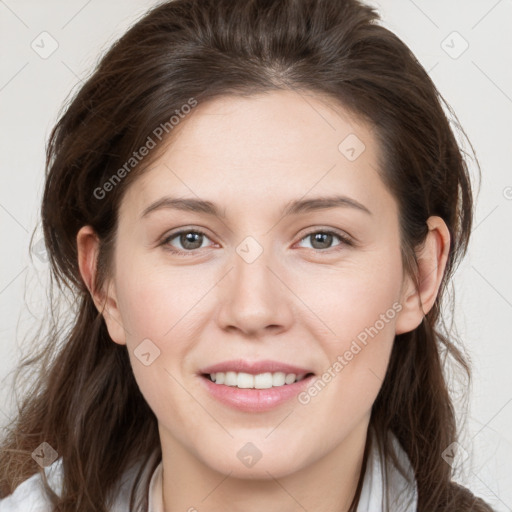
258,286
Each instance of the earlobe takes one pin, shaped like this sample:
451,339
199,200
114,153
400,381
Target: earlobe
418,301
105,301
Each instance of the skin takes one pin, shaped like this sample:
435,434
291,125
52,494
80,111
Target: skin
299,302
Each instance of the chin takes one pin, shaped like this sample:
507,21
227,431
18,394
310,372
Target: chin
248,462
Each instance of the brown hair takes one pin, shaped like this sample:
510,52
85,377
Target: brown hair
86,403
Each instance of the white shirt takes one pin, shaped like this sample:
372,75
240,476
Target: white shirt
30,497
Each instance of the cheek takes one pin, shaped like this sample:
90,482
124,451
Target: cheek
359,295
367,311
163,305
356,362
359,306
157,302
157,310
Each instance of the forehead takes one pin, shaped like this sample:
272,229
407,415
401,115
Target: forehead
277,146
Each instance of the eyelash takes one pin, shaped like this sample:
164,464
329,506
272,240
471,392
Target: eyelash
345,240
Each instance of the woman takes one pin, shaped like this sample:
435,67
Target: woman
257,205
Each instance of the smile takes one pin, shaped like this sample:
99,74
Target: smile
256,386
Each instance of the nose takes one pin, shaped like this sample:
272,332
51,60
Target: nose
254,297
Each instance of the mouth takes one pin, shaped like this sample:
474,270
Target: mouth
254,386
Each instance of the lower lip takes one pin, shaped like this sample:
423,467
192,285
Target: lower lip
255,400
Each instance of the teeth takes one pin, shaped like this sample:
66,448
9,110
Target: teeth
279,378
230,379
260,381
290,378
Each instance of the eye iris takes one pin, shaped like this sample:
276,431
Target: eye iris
191,238
323,238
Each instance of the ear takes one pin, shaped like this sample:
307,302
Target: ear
432,258
105,301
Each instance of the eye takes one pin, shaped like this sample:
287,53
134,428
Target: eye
190,240
323,239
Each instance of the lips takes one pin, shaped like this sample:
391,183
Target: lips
254,367
274,383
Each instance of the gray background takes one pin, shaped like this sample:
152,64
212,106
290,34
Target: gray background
476,82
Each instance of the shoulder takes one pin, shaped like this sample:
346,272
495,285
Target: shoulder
30,495
456,496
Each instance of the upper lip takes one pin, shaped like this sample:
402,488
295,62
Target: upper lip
254,367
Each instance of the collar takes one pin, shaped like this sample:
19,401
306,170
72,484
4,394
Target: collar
402,491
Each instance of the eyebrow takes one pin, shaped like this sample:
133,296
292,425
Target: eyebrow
292,208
